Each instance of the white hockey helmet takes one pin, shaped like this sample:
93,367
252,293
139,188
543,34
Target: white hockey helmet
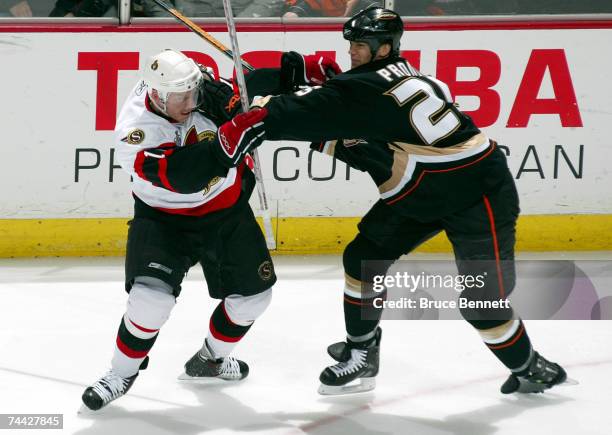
170,71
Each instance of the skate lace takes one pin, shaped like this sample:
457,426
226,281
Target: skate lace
230,368
110,386
354,364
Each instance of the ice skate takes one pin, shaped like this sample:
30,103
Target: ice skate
541,375
356,369
204,367
108,388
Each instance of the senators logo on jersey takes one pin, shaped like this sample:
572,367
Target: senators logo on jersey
193,136
134,137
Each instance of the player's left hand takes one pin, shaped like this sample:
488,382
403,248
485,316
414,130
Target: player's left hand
240,135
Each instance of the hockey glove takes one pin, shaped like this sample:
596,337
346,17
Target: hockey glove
216,101
298,70
240,135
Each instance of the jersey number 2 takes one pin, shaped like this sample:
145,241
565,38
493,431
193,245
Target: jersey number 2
429,115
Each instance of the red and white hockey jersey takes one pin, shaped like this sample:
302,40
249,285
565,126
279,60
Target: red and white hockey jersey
173,165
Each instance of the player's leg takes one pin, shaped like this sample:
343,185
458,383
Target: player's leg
154,271
483,239
383,237
239,271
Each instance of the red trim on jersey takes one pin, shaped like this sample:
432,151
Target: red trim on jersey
140,159
248,160
131,353
143,329
147,102
162,171
520,332
225,199
138,165
502,290
429,171
219,336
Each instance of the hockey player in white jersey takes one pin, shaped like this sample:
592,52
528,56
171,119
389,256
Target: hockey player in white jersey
191,206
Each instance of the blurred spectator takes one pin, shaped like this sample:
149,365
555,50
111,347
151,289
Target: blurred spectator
148,8
506,7
83,8
354,6
198,8
25,8
564,7
326,8
263,8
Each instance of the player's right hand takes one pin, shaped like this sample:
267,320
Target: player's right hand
313,70
242,134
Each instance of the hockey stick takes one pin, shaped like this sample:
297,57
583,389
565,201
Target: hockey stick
238,62
202,33
244,99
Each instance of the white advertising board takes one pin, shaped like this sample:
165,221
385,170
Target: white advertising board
545,95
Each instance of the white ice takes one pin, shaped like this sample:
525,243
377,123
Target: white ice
58,323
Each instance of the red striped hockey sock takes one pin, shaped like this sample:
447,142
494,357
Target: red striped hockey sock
132,346
224,333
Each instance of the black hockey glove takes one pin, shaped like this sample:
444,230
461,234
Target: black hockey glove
313,70
237,137
217,101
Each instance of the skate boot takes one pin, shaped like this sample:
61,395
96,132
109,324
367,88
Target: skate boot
540,375
204,367
108,388
356,369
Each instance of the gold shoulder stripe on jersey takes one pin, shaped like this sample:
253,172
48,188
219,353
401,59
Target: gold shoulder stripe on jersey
211,183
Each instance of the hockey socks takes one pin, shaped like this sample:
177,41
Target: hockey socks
510,343
224,333
132,346
361,317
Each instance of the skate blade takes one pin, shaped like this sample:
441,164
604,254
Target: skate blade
84,411
184,377
569,382
360,385
531,388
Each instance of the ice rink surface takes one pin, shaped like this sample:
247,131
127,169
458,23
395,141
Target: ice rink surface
59,318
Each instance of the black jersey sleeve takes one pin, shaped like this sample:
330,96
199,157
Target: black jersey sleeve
340,108
180,169
367,106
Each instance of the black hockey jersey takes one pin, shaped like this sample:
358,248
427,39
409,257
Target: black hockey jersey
427,158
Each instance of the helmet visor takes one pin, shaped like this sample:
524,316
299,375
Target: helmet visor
183,101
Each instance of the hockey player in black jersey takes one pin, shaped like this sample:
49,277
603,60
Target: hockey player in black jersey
435,171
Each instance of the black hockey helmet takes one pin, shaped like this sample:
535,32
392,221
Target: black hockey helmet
375,26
